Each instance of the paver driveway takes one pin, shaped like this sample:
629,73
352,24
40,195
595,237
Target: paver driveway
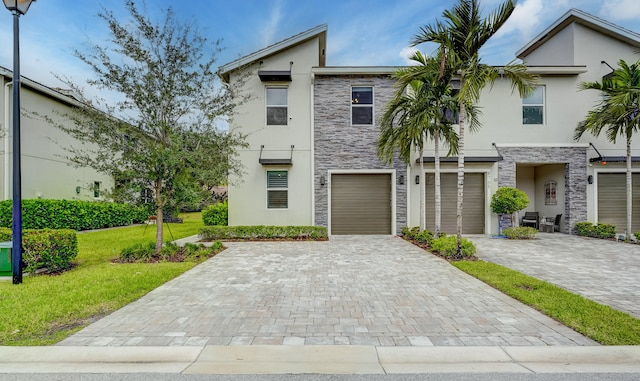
358,290
601,270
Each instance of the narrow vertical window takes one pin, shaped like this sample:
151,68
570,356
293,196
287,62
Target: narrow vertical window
277,189
277,106
550,196
96,189
533,107
362,105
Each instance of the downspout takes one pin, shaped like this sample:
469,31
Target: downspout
7,105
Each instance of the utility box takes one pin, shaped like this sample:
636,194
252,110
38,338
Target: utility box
5,258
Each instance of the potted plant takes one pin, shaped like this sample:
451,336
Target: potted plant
508,200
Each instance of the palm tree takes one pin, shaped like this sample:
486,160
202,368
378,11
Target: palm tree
618,114
460,38
418,112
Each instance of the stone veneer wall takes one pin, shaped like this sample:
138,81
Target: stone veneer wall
339,145
575,173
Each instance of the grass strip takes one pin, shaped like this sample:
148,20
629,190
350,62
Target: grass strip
45,309
596,321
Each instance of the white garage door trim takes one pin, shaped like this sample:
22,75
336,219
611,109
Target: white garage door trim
392,172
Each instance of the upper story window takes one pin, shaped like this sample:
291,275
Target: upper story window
533,107
277,189
277,106
362,105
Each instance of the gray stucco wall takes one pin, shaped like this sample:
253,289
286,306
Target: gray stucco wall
340,146
575,173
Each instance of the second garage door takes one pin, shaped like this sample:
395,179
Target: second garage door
361,204
612,200
472,208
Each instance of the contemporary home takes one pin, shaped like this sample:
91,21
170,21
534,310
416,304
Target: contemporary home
45,172
312,132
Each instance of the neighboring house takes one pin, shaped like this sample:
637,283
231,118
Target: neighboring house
45,172
312,131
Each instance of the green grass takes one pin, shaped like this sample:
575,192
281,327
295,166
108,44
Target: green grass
601,323
46,309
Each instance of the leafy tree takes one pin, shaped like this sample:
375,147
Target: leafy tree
420,110
508,200
460,38
618,114
161,132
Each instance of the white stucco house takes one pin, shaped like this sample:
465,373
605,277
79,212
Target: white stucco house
45,172
312,131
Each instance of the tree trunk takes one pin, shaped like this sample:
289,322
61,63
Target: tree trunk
437,201
159,217
463,117
423,195
628,232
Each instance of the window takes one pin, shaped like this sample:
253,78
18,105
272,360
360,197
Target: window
277,114
533,107
362,105
277,190
96,189
550,189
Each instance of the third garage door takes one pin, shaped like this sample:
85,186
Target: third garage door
361,204
472,208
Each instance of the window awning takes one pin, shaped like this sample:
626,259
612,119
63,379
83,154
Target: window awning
614,159
467,159
276,161
275,75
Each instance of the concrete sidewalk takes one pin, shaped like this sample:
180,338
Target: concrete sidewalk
318,359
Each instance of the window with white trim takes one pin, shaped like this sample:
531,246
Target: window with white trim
533,107
96,189
277,106
362,105
277,189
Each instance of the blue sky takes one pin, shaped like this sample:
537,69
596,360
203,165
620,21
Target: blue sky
373,32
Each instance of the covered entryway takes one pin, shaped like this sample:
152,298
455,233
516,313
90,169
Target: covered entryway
361,204
473,207
612,200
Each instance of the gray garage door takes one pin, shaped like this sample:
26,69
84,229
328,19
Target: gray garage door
612,200
472,208
361,204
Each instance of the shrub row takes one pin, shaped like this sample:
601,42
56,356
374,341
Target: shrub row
588,229
72,214
145,252
443,245
216,215
520,232
45,248
212,233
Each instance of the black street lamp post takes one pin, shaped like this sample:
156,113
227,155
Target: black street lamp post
17,8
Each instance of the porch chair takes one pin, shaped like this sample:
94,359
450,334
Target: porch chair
530,219
556,223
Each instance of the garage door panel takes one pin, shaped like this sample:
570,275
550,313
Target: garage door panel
612,200
473,207
360,204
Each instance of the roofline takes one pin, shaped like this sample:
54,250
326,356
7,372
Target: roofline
41,88
346,70
584,18
273,49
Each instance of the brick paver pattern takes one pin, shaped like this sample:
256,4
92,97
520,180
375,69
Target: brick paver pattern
352,290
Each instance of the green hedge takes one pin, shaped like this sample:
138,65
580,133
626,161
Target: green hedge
414,233
72,214
212,233
46,248
588,229
521,232
216,215
446,246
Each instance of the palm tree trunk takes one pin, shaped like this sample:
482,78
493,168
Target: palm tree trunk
159,217
438,205
463,117
423,195
629,191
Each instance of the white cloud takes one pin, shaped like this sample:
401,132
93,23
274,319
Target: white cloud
525,19
616,10
271,29
406,53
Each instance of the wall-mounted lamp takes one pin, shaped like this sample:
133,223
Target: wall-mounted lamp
77,190
401,180
417,179
590,179
321,180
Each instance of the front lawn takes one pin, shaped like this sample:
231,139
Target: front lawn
46,309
